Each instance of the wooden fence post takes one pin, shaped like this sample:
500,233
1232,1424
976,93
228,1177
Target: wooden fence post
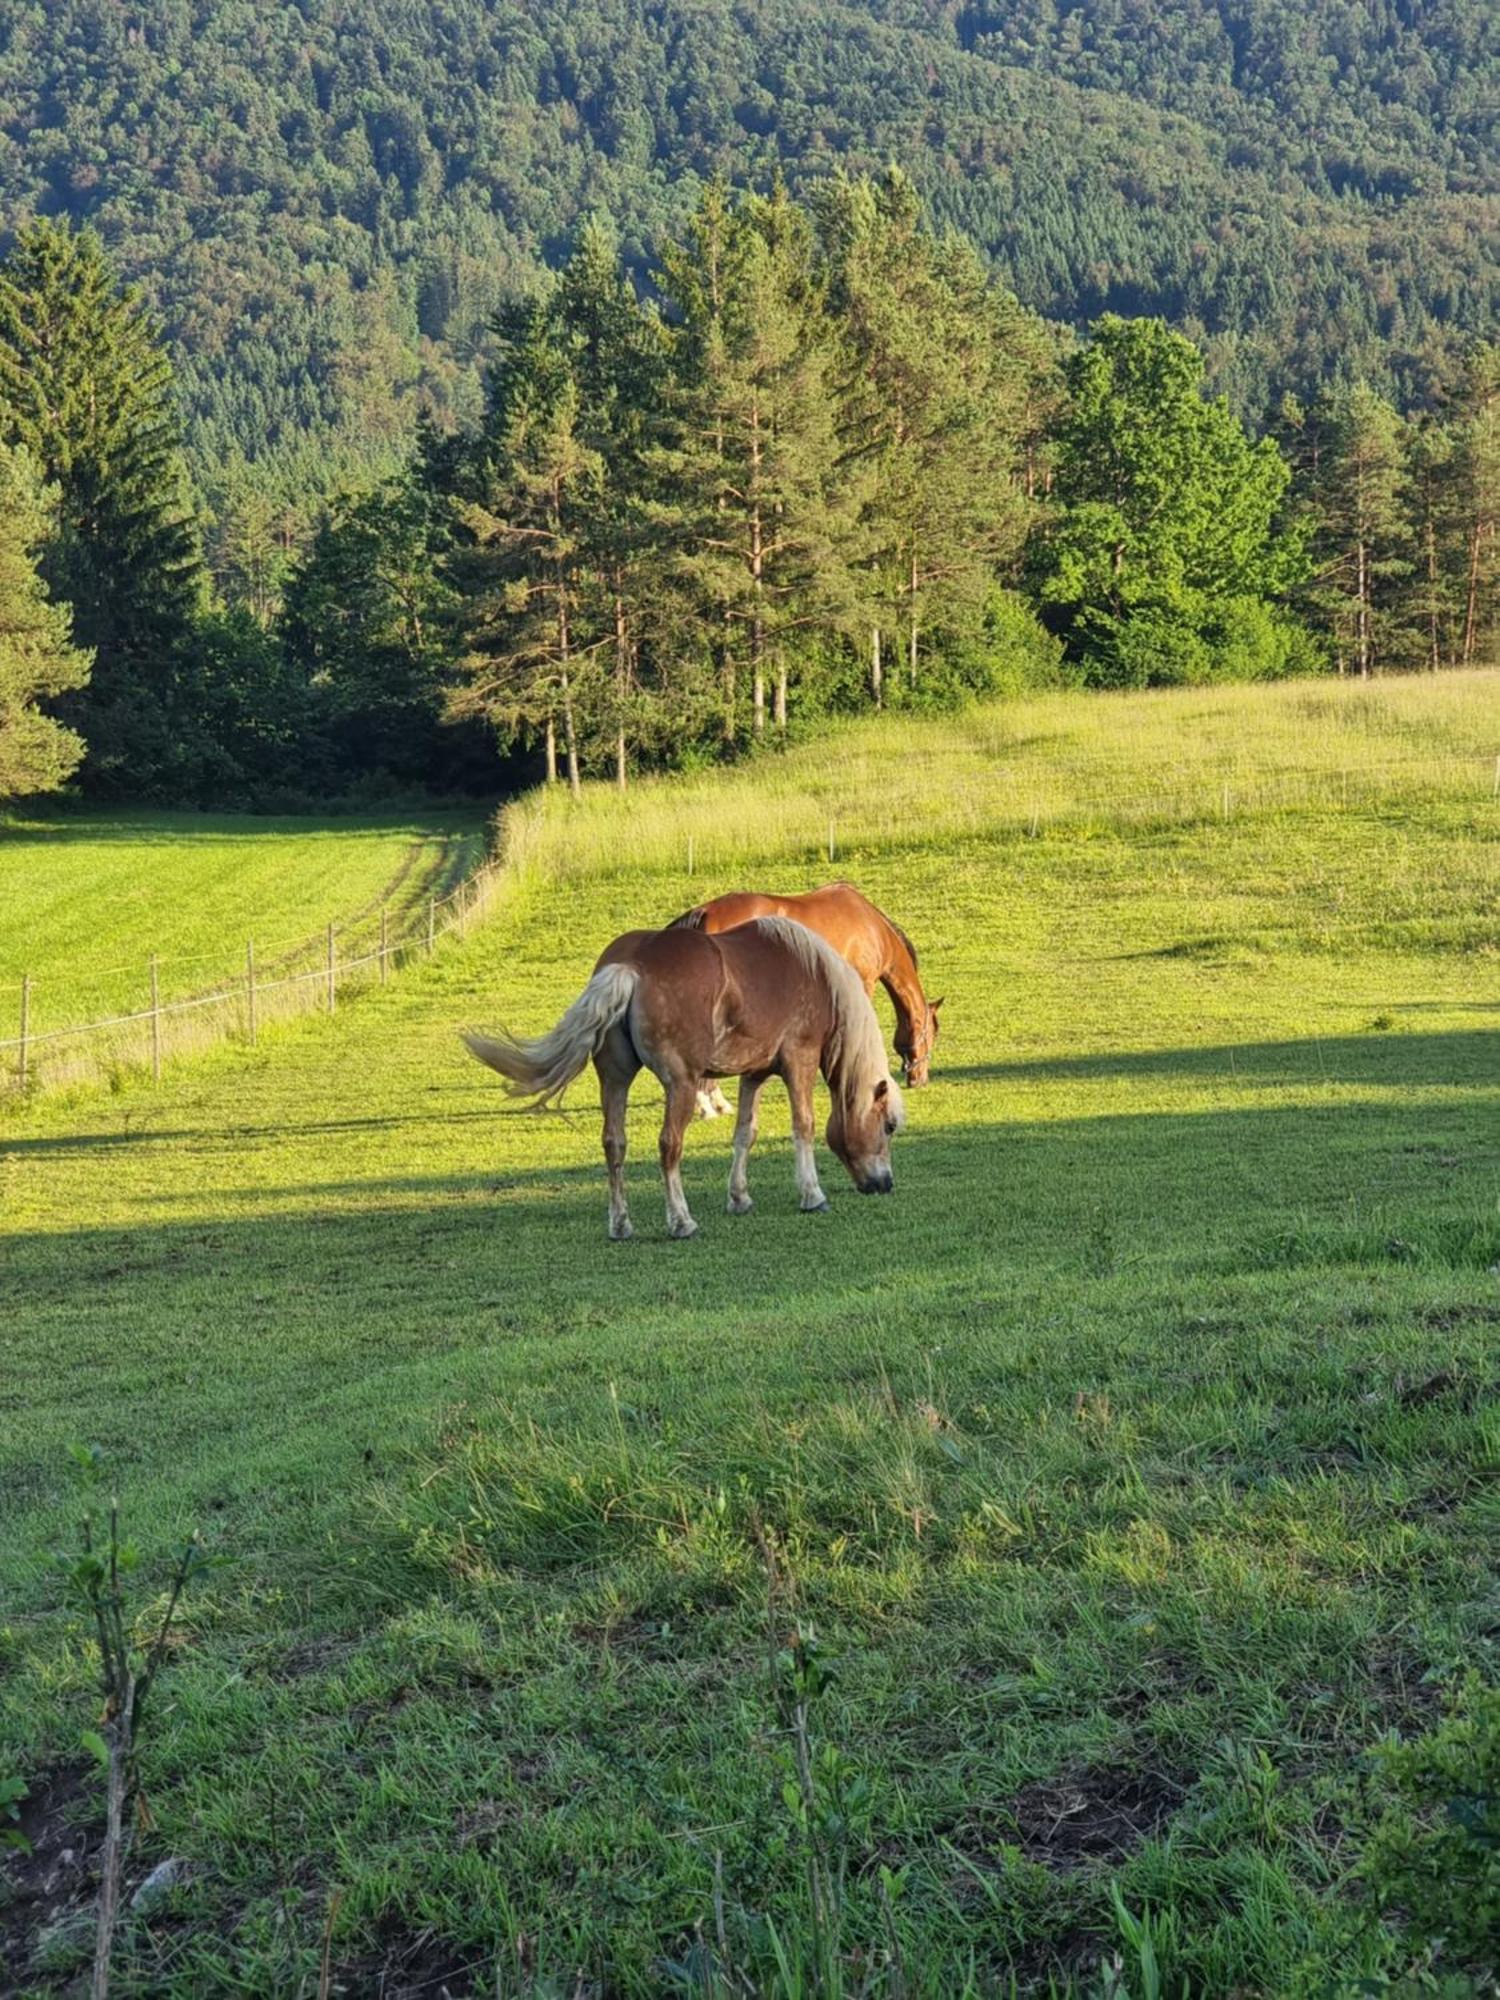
25,1023
331,973
250,986
155,1023
384,965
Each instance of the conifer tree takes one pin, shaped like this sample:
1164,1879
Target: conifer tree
935,396
86,387
1477,457
523,573
1364,531
754,459
615,354
37,657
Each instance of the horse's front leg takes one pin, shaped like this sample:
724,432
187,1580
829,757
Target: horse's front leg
682,1096
799,1088
744,1139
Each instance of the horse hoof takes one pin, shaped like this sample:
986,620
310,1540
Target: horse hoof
739,1204
682,1230
819,1207
620,1232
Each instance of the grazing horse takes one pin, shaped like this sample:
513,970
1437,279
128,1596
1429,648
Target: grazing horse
878,949
767,999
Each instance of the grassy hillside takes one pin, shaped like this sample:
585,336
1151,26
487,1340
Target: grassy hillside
1136,1463
86,901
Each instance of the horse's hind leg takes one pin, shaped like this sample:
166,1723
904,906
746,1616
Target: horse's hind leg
617,1066
744,1139
682,1094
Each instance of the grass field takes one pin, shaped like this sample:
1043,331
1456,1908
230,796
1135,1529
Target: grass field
85,900
1137,1466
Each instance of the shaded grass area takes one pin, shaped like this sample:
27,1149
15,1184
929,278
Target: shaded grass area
1138,1466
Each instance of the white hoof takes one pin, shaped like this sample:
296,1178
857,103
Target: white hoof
739,1204
814,1204
682,1228
621,1231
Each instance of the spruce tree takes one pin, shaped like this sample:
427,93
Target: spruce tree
522,570
86,387
615,354
37,657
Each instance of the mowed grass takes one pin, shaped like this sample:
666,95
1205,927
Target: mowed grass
87,899
1137,1465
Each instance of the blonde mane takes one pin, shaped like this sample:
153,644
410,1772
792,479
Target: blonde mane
856,1048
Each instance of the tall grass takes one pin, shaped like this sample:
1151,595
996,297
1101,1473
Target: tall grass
1009,771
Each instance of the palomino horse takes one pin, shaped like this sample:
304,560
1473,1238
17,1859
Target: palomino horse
878,949
767,999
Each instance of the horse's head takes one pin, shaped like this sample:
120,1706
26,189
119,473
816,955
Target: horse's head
860,1132
914,1044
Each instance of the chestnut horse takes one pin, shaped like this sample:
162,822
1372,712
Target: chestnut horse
878,949
767,999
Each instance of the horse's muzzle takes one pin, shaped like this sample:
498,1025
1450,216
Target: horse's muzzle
883,1183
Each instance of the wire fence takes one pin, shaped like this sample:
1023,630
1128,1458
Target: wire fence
306,975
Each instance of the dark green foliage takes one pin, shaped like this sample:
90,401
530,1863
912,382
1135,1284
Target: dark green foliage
328,202
86,388
366,633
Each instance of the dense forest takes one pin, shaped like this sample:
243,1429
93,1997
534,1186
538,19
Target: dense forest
326,202
380,386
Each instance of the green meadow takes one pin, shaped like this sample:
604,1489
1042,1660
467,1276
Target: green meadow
999,1589
86,900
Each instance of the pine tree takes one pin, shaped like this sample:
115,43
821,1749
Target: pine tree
86,387
937,388
37,658
1364,531
753,464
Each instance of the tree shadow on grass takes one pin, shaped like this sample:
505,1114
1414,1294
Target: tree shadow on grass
1463,1057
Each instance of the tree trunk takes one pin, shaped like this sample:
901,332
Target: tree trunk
876,689
551,751
1471,598
757,585
1362,623
911,638
1434,647
622,688
570,732
781,694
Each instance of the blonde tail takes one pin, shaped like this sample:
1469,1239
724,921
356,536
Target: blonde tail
543,1069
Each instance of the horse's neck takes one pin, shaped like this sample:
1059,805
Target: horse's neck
900,980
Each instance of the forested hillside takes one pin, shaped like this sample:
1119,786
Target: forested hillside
328,201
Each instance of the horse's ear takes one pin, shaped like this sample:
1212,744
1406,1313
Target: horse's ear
935,1005
882,1090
